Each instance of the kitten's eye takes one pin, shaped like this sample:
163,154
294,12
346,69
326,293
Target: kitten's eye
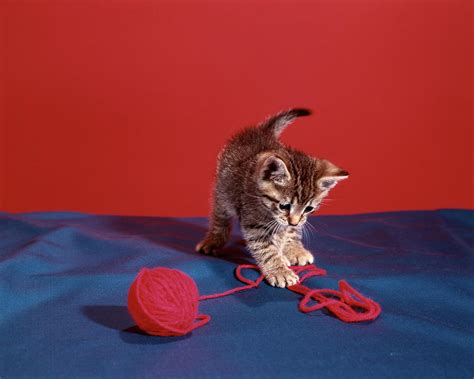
285,207
308,209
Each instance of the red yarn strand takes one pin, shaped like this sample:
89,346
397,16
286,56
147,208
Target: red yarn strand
346,304
243,279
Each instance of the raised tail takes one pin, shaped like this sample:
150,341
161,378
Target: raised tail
277,123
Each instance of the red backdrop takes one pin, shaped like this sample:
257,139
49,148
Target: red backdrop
122,107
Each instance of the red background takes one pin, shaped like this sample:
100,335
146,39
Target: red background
122,107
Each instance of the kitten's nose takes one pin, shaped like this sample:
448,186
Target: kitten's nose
293,220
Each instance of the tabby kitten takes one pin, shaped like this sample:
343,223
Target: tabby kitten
272,189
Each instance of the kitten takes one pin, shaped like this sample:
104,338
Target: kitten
272,189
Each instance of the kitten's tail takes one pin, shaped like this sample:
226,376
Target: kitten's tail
277,123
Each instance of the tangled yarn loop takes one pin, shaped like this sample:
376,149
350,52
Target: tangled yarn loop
346,304
164,301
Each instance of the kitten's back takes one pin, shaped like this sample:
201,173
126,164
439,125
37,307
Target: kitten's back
236,163
251,141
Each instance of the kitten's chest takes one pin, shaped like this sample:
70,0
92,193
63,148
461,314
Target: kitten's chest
285,235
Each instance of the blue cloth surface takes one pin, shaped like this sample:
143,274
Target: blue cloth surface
64,279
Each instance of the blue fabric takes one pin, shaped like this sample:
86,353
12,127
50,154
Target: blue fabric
64,279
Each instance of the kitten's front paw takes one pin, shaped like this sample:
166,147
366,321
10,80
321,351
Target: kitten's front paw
282,277
299,256
208,246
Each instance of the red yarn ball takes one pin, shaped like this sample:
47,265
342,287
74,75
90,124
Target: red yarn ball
164,302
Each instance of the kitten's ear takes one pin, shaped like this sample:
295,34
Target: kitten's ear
332,175
271,168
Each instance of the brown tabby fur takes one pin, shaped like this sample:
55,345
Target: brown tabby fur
256,176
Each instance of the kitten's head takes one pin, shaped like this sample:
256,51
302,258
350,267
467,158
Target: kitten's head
292,184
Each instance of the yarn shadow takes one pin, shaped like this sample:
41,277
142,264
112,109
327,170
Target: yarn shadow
135,336
182,236
111,316
116,317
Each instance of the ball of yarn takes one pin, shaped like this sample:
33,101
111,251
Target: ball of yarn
164,302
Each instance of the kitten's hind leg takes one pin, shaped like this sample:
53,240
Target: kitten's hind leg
219,232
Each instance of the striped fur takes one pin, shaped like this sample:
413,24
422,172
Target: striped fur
272,189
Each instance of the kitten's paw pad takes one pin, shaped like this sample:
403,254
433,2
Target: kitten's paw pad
299,257
283,277
208,246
